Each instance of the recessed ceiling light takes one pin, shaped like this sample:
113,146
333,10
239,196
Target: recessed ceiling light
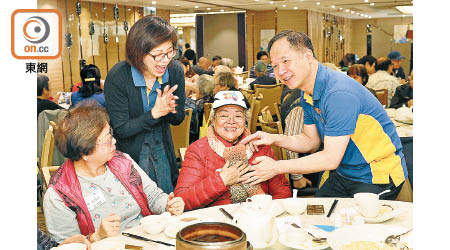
177,5
153,2
357,13
318,3
301,0
332,6
403,15
208,8
256,0
370,16
295,7
196,6
284,5
372,4
271,2
361,14
366,1
353,12
347,10
221,10
340,8
129,9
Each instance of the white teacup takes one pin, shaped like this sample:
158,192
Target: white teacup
262,201
369,204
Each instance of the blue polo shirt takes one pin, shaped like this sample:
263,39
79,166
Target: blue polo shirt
341,106
148,97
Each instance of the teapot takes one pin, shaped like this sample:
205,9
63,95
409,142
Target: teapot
258,225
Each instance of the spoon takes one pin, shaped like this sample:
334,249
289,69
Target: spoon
393,240
385,191
315,239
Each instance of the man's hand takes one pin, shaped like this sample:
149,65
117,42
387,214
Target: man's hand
175,205
410,103
258,138
264,168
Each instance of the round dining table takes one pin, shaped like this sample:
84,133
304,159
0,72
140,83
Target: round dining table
403,219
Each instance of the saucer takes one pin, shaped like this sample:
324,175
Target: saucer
386,212
298,239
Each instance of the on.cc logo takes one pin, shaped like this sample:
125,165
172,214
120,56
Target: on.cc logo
36,29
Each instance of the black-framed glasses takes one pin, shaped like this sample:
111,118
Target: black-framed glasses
110,139
160,57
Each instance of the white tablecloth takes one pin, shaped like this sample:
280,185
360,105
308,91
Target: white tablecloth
404,219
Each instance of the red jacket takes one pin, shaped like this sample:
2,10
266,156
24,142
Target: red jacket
200,185
65,183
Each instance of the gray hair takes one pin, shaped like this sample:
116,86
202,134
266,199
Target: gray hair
227,62
298,40
205,84
247,116
221,68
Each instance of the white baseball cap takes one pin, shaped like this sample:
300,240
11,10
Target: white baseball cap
223,98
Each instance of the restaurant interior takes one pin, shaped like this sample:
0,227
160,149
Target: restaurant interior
344,35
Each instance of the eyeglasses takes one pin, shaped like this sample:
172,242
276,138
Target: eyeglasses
236,118
160,57
110,139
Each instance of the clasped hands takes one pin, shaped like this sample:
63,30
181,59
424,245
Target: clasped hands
165,102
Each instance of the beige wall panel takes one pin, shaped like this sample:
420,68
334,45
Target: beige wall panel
293,19
164,14
249,38
221,36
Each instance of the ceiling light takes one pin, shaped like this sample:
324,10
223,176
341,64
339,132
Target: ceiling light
332,6
177,5
208,8
284,5
295,7
196,6
357,13
370,16
271,2
347,10
353,12
153,2
403,15
366,1
129,9
221,10
361,14
318,3
301,0
340,8
405,9
372,4
256,0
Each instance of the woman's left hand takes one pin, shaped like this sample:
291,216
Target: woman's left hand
175,205
264,168
77,239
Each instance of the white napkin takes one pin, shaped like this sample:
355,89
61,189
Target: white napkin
347,217
284,223
238,70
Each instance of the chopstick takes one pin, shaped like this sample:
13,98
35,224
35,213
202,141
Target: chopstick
226,213
146,239
332,208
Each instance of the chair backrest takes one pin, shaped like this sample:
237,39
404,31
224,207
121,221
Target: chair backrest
255,103
182,153
273,128
271,94
276,106
180,133
248,93
47,173
382,96
207,110
406,193
48,146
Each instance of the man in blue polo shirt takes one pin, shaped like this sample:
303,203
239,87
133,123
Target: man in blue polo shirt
360,141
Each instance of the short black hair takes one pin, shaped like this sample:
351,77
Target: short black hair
383,64
370,59
215,58
297,40
260,54
187,45
42,83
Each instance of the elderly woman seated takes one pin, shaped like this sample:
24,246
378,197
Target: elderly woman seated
98,191
211,173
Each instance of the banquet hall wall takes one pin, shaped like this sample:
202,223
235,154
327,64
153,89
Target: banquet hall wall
310,22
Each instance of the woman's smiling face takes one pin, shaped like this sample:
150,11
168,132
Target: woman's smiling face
157,68
229,122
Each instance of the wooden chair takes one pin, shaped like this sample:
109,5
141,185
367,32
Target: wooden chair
47,173
382,96
206,111
180,133
271,94
406,193
248,93
276,106
255,103
48,146
273,128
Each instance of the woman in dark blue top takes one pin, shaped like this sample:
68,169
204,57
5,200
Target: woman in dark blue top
90,76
